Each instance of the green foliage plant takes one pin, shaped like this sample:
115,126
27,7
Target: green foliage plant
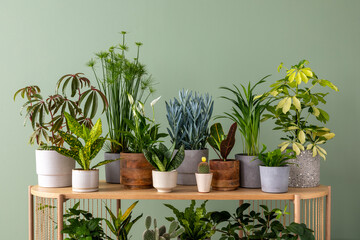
118,77
121,224
221,143
193,220
81,225
203,166
84,152
74,94
246,112
257,225
189,118
275,158
143,132
163,158
160,233
297,105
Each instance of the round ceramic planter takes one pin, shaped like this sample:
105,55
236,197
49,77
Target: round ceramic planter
249,171
305,172
85,180
188,168
135,171
226,174
112,170
164,181
274,179
53,169
203,181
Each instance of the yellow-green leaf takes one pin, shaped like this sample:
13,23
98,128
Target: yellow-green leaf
298,78
96,131
292,77
287,105
309,146
301,137
322,150
307,72
296,149
316,111
296,103
300,146
292,128
329,136
322,155
314,151
304,77
281,103
284,147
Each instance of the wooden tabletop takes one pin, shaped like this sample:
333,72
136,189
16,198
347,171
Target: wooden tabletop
117,191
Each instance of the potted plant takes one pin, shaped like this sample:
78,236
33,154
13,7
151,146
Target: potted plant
203,177
160,233
226,171
256,225
188,119
246,112
165,162
136,171
85,179
121,224
297,107
119,77
274,170
80,224
193,220
47,118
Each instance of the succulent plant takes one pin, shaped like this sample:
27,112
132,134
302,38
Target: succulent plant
160,233
203,167
189,118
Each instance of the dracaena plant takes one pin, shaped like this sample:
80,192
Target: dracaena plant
221,143
275,158
74,94
297,107
83,152
120,76
189,118
163,158
246,112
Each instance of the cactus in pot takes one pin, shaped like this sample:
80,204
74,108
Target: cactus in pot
203,167
160,233
203,176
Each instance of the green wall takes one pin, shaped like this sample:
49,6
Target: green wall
193,44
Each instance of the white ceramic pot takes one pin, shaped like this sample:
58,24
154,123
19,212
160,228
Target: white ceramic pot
85,180
53,169
164,181
203,181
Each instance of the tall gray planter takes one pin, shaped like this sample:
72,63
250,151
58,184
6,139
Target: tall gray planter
274,179
305,172
188,168
112,170
249,171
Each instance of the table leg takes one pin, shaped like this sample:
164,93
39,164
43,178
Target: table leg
297,210
328,215
31,215
60,209
241,234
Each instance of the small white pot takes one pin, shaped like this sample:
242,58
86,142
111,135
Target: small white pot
53,169
164,181
85,180
203,181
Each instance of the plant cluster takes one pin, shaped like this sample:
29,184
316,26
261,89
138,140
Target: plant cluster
189,118
297,105
203,166
221,143
160,233
163,158
47,115
192,220
276,158
246,112
120,76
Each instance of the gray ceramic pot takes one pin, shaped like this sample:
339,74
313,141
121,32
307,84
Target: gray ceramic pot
112,170
306,170
274,179
249,171
188,168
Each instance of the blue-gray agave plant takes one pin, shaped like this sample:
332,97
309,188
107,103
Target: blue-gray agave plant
189,118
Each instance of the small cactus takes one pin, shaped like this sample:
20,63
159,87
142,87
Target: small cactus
160,233
203,167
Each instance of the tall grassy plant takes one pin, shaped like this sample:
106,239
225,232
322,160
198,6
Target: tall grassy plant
119,77
246,112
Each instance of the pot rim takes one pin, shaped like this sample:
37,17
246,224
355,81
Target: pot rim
244,154
227,160
155,170
274,167
82,170
204,173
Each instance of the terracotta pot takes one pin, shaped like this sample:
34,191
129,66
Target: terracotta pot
226,174
135,171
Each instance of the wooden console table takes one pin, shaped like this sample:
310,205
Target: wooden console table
306,204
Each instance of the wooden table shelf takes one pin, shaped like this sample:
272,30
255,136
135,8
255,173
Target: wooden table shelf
300,197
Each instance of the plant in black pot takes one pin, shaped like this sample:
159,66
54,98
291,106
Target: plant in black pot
119,77
194,221
246,112
274,170
188,118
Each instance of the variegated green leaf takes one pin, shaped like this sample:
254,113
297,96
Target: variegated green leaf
96,147
74,126
70,139
103,163
85,163
96,131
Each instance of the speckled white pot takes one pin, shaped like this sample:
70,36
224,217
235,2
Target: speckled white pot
164,181
53,169
85,180
203,181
